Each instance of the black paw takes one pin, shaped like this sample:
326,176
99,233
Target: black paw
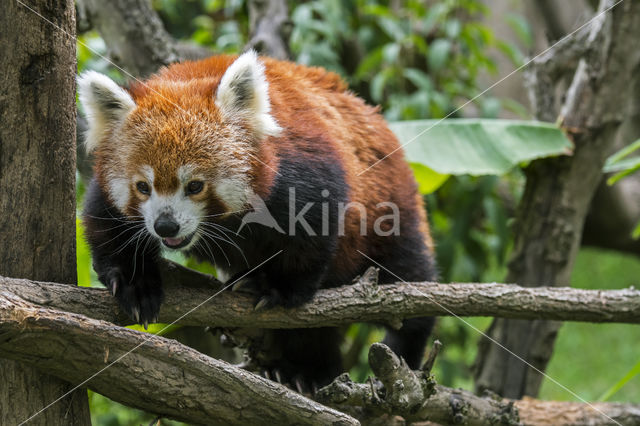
256,284
270,299
252,283
139,295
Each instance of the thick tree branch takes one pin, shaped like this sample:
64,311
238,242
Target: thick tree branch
149,372
362,301
397,390
122,362
135,35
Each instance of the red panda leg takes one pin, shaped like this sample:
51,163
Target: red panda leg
124,257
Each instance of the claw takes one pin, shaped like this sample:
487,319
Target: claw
239,285
114,285
262,304
146,325
136,314
276,373
298,384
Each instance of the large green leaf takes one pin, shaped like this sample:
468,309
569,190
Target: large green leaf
478,146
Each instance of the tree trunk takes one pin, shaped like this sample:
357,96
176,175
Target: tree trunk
37,184
270,28
557,196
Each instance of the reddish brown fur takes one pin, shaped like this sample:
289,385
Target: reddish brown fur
313,101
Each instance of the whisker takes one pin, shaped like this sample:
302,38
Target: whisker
215,236
228,213
137,222
122,232
221,228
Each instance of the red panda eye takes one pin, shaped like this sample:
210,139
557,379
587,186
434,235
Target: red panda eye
194,187
143,187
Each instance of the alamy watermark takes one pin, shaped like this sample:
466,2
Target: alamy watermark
385,223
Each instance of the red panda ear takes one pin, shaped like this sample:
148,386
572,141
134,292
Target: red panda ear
105,105
244,93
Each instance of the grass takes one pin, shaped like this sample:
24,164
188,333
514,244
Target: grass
591,358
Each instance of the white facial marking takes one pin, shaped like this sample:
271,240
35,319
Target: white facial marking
178,205
119,191
233,191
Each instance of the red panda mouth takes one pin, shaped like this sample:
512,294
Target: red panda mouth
177,243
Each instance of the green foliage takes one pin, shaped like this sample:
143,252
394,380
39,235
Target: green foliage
219,24
469,225
415,59
105,412
438,148
91,54
624,165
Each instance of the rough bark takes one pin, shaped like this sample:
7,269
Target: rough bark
135,36
149,372
37,176
614,211
413,395
362,301
270,28
133,33
557,196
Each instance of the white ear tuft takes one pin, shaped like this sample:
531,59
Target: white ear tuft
105,104
244,93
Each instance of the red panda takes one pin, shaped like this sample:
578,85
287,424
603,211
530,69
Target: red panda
183,160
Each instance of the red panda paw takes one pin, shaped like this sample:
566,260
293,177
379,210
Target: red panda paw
270,300
139,296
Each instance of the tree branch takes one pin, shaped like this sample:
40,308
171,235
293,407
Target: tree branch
270,28
363,301
135,35
149,372
414,395
120,362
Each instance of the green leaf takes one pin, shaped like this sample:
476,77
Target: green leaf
428,180
478,146
615,388
618,161
438,54
635,234
370,63
419,78
629,170
621,165
520,26
377,85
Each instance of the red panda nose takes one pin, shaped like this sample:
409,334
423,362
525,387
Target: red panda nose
165,226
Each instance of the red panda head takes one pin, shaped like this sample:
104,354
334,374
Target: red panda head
176,151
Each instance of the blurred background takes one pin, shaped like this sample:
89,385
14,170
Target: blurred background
423,59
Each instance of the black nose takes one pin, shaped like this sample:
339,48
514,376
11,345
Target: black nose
165,226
